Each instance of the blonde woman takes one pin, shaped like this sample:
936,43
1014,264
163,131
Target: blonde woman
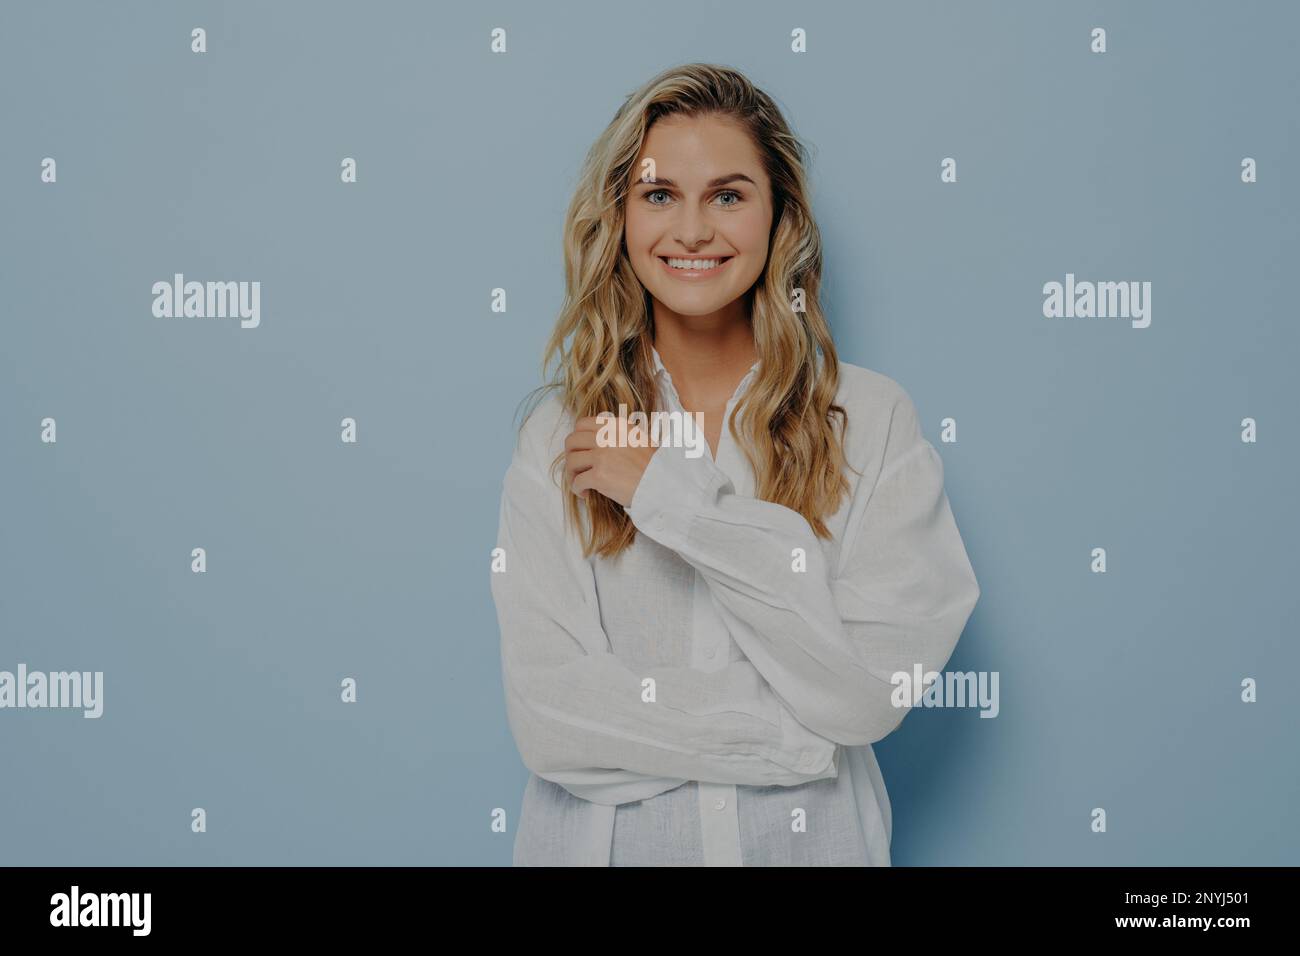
698,638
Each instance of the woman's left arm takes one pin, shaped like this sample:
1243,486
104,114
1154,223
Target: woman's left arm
828,642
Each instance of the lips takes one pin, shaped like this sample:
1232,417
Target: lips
693,273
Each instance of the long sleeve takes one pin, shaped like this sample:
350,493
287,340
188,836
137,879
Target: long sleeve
576,709
827,640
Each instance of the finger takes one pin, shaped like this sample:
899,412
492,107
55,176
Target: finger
583,484
580,441
576,462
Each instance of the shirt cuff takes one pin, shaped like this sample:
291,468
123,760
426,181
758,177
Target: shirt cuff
673,488
813,754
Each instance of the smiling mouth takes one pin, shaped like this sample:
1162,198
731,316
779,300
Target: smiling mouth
691,267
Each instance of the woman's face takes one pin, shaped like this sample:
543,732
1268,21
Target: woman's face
709,200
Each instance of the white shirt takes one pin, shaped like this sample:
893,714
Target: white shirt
770,683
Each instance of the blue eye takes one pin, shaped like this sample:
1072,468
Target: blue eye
726,192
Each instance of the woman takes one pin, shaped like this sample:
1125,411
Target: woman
697,648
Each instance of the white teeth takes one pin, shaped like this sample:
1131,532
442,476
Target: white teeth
695,265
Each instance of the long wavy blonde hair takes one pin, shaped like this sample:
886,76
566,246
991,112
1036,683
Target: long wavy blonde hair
786,421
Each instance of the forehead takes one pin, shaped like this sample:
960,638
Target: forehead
698,147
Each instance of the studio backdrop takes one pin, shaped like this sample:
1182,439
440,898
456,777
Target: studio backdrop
260,533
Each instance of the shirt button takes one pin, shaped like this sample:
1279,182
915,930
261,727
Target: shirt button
709,652
720,803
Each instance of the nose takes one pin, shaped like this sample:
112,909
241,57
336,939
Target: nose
693,226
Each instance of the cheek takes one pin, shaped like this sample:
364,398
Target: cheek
635,234
751,240
750,233
640,237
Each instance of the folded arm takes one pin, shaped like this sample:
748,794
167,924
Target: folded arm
827,640
576,709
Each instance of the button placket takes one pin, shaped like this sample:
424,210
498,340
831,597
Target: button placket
719,823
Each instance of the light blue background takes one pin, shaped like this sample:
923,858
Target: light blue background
326,560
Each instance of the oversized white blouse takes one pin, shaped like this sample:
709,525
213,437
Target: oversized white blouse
771,677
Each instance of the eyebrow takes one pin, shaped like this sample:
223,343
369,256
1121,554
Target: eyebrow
720,181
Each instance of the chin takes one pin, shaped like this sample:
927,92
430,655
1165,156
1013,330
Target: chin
693,306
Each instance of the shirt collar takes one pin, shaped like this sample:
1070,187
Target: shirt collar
659,363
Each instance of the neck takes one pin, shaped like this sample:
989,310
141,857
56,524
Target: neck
706,355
